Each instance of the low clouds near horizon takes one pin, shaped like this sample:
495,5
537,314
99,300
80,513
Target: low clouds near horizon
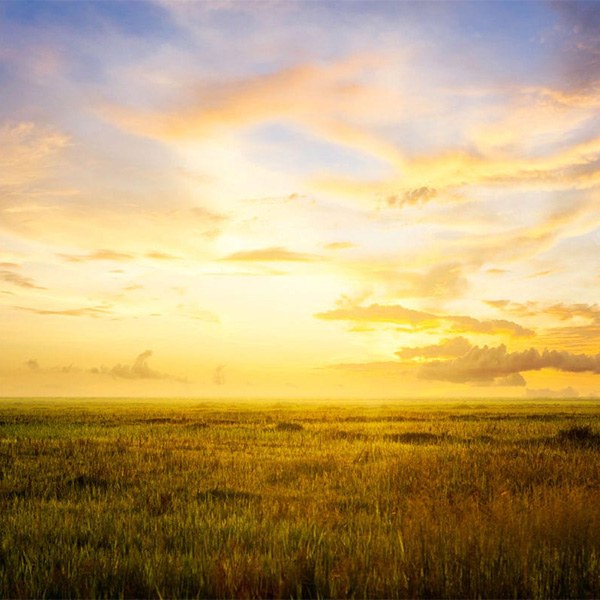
140,369
491,364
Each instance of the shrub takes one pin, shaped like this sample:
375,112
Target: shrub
286,426
582,435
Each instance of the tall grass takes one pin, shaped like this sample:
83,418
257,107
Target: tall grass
189,499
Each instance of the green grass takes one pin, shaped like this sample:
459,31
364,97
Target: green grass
153,499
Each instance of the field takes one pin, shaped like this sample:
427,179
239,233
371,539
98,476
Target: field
183,498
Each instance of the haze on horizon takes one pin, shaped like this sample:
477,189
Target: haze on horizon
308,199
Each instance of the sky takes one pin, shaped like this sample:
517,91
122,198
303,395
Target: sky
300,199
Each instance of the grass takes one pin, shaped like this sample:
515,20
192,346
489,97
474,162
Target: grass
249,500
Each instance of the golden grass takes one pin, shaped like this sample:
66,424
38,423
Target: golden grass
255,500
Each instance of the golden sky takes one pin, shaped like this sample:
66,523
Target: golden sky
303,199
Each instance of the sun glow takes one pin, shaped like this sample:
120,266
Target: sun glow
375,213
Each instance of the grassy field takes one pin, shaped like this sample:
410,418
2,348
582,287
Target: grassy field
129,498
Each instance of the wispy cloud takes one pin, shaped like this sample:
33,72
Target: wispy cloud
443,280
27,151
541,273
579,27
162,256
19,280
340,246
95,312
560,311
272,254
419,320
323,98
568,221
108,255
192,311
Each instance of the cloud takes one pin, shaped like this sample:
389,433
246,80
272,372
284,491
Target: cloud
323,98
512,380
19,280
192,311
27,151
575,338
340,246
448,173
568,392
94,229
491,364
272,254
416,196
419,320
162,256
98,255
138,370
497,303
541,274
386,367
112,255
560,311
442,280
488,326
33,364
456,346
574,218
517,150
95,312
581,37
202,214
377,313
191,219
565,312
219,375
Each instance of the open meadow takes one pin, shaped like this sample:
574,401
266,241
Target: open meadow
209,499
